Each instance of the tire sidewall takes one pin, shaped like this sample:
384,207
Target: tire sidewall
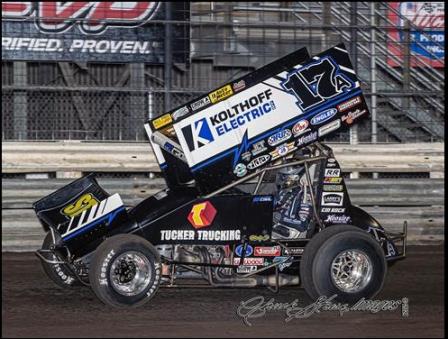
100,277
321,269
58,273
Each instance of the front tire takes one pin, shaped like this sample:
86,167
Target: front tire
125,271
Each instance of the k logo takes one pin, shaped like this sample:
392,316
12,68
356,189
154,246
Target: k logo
197,134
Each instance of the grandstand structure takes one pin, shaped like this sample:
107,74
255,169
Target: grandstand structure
78,100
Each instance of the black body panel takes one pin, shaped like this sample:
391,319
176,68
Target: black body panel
220,220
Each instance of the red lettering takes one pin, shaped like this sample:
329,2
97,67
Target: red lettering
125,11
15,8
55,13
90,16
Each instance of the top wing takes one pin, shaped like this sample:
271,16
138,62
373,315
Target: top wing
243,126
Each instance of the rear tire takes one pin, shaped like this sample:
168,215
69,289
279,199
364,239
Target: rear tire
125,271
343,260
60,274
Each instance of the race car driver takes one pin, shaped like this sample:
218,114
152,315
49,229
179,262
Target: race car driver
292,204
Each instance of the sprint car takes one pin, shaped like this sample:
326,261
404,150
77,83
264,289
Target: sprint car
253,197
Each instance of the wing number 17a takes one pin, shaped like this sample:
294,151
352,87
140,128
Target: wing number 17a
316,83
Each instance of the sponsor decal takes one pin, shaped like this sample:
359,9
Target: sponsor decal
162,121
220,94
172,149
178,113
240,170
337,219
267,251
349,104
332,172
200,103
85,202
306,139
202,214
249,261
168,131
259,237
257,162
242,113
331,162
246,269
333,210
333,188
239,250
293,251
285,262
351,116
239,85
332,180
198,134
279,137
200,235
332,199
330,127
300,127
258,148
262,198
246,156
323,116
282,150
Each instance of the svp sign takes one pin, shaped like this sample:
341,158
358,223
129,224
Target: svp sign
88,31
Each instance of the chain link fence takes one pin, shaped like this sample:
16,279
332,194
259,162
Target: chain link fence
111,101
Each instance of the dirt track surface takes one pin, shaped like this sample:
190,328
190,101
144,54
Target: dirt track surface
32,306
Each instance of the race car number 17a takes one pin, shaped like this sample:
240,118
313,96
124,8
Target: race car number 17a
316,83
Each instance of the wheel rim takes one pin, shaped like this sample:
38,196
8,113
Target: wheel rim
130,273
351,270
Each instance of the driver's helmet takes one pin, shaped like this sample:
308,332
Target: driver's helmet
288,177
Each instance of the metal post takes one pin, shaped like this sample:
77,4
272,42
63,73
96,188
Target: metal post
168,55
373,102
20,101
137,104
406,65
354,57
228,10
326,14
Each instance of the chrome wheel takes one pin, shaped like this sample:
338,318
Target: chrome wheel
351,270
130,273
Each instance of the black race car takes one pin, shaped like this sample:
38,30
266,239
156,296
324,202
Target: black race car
253,197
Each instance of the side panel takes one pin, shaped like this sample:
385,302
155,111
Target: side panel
218,220
332,199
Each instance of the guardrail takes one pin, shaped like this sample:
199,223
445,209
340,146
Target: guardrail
71,158
420,201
